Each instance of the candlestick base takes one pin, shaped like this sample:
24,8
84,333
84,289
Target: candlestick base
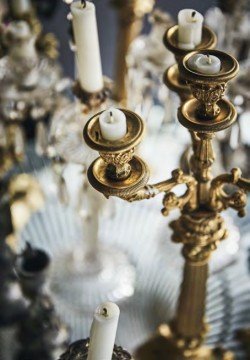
79,351
81,281
163,346
92,100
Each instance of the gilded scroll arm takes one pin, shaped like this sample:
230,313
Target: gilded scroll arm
235,198
171,200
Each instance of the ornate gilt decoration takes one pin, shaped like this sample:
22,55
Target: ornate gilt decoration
208,96
200,235
118,164
230,190
200,228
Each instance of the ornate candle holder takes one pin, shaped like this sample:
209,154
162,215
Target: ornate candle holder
172,76
200,227
131,15
118,171
79,351
30,91
94,272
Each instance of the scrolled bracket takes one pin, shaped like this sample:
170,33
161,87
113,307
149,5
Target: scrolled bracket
236,199
171,200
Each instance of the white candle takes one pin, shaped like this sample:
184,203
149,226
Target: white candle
113,124
87,46
103,332
25,48
190,28
21,7
205,64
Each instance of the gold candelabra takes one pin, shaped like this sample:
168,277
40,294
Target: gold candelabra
172,77
200,228
131,14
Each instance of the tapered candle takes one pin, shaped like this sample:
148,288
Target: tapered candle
20,7
87,46
103,332
205,64
113,124
189,29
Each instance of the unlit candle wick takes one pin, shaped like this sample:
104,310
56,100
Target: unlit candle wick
105,312
209,60
83,2
111,118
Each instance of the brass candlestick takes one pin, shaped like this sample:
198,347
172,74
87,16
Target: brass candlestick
200,227
172,77
131,13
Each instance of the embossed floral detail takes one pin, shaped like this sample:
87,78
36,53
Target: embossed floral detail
188,199
118,164
208,95
229,190
200,236
118,159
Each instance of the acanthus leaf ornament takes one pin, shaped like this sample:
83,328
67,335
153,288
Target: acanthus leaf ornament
230,190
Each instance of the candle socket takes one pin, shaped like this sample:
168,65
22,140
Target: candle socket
79,351
92,100
117,171
172,77
208,91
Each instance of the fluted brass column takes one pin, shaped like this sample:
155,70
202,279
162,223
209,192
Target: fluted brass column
191,308
130,19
